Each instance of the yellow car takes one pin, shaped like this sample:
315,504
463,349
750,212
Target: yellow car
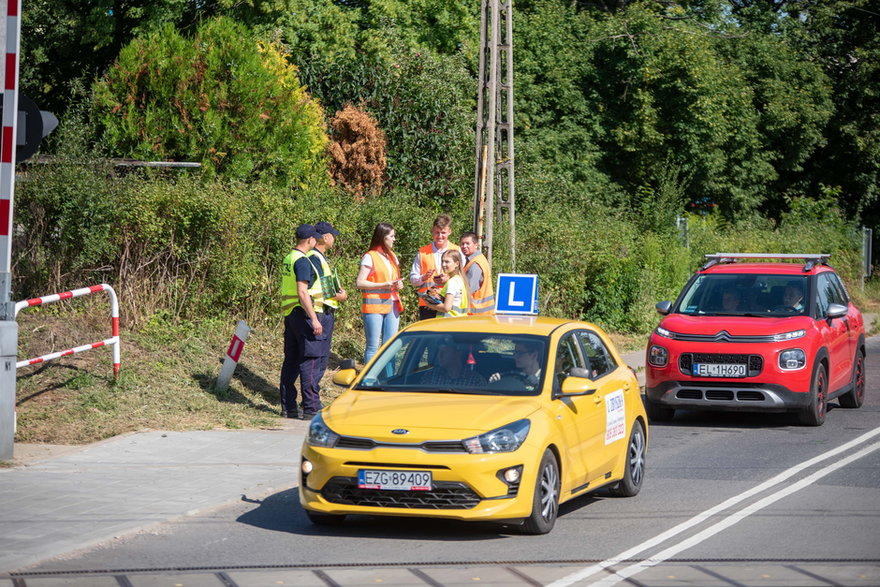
492,419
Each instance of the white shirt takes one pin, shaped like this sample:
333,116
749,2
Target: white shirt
415,272
455,287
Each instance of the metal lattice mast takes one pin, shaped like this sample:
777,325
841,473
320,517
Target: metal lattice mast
493,180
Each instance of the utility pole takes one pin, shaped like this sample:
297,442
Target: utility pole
493,179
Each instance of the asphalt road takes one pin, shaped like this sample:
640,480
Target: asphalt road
729,499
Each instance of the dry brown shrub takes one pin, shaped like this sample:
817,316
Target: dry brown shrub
357,152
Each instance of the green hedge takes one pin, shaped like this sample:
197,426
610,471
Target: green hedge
182,246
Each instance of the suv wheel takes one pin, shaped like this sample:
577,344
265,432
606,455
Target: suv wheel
658,412
814,414
855,397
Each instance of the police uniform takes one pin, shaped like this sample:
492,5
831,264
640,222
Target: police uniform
301,346
326,311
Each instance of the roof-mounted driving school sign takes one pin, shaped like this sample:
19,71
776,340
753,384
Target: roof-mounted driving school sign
516,294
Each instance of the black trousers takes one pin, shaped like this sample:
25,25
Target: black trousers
426,313
302,357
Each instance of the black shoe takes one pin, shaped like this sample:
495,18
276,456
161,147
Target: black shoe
308,415
283,414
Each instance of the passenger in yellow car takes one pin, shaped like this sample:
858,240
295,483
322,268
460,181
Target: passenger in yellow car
452,369
528,365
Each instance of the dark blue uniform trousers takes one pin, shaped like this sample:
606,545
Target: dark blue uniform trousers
302,358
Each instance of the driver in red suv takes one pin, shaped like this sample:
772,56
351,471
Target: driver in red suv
758,336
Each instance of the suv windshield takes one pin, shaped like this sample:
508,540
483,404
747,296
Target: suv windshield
461,362
746,295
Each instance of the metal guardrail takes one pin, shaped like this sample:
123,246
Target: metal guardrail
113,341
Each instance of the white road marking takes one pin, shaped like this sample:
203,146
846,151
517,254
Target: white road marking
731,520
701,517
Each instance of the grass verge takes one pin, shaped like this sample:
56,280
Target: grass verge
166,381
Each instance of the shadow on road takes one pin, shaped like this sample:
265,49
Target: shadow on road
281,512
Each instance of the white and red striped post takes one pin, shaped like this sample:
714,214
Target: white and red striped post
233,353
113,341
9,11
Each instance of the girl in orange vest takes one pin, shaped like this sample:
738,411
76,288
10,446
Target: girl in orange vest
379,281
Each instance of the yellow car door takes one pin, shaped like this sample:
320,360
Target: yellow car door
579,419
613,383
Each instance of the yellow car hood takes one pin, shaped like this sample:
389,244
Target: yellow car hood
426,416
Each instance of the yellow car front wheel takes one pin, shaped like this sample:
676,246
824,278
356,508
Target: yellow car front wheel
545,503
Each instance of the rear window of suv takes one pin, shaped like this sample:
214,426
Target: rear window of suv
728,294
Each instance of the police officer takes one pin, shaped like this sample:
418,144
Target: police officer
303,330
328,304
478,276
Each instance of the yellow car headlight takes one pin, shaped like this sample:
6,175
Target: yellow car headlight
320,434
505,439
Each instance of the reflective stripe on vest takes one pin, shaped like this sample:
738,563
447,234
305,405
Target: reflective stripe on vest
378,301
456,310
483,299
289,293
325,270
426,261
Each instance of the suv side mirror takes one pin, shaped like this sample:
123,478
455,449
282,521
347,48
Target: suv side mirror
663,307
836,311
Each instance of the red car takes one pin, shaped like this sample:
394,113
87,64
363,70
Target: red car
758,336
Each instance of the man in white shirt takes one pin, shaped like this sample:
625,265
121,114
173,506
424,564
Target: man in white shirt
425,270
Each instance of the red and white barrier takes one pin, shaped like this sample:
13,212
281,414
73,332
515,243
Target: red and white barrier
84,291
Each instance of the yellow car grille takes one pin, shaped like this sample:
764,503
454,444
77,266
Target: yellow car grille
446,495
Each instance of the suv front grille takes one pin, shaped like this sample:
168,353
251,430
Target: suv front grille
446,495
686,361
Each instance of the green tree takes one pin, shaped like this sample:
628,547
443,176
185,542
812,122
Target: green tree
792,99
664,95
221,98
423,103
66,40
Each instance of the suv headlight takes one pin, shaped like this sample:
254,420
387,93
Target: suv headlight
789,335
658,356
663,332
505,439
320,434
792,359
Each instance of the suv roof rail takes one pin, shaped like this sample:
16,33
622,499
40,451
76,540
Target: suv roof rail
811,259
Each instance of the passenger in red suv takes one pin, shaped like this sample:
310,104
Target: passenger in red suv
760,336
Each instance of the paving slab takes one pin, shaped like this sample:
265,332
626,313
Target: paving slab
84,497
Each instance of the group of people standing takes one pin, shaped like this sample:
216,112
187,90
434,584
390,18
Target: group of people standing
451,281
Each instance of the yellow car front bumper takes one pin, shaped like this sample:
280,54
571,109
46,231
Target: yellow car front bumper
466,486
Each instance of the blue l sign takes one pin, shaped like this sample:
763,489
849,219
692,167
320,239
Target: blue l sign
516,294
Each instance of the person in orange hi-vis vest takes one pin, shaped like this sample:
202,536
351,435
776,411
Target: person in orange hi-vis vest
478,276
380,282
425,271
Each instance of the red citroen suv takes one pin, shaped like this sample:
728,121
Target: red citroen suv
758,336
